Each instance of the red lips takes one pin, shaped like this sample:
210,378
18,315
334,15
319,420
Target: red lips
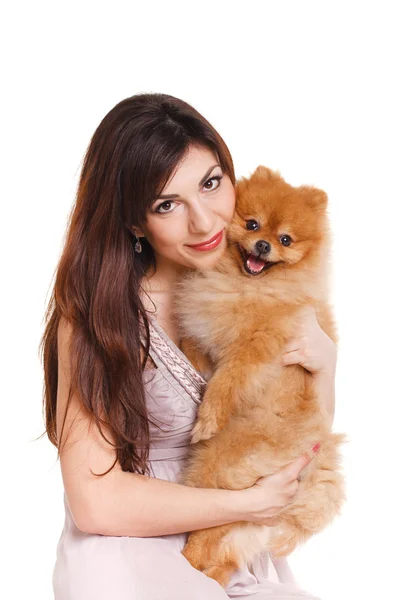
208,244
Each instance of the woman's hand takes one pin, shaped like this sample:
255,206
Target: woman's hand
314,350
310,346
270,494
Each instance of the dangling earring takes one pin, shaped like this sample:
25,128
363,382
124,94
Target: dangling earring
138,245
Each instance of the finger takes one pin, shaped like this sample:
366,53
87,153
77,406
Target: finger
288,498
293,487
293,469
271,521
292,358
292,490
294,344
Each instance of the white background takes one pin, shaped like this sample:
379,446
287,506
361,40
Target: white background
309,88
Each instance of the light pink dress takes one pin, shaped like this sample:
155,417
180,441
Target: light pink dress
97,567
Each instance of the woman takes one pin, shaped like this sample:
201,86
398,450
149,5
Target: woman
156,184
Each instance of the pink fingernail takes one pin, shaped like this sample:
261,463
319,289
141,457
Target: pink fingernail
316,447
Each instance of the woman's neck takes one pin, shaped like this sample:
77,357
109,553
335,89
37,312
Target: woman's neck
163,279
159,286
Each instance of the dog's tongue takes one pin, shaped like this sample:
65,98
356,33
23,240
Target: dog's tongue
255,264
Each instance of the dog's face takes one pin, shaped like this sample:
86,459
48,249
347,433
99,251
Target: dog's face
275,225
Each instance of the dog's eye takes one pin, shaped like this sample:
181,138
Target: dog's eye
285,240
252,225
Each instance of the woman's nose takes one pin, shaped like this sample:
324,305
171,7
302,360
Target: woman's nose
201,218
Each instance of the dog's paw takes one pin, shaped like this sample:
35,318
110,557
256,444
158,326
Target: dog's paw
203,430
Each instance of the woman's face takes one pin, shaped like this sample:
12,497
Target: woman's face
202,206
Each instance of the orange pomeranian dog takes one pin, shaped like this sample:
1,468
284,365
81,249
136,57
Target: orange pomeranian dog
256,415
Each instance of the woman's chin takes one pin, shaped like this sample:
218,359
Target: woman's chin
207,260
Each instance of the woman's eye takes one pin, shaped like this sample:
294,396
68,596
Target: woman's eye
285,240
165,207
218,178
166,204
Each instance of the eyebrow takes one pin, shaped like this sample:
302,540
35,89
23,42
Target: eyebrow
203,180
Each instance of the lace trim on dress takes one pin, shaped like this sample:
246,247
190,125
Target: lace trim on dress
176,362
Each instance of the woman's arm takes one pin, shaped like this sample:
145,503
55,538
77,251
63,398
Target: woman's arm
123,503
128,504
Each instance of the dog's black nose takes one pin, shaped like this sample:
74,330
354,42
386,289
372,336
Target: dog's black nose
263,247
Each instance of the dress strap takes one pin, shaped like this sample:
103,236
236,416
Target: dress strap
166,355
160,364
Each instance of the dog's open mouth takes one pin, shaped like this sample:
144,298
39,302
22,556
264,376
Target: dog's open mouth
253,264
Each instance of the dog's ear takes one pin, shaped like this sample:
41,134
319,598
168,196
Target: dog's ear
317,198
264,172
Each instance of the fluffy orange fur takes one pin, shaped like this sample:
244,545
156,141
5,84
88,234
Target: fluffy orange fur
256,415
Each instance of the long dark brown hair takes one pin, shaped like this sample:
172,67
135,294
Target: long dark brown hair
128,162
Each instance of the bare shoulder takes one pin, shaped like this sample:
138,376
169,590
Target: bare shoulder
69,406
73,418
